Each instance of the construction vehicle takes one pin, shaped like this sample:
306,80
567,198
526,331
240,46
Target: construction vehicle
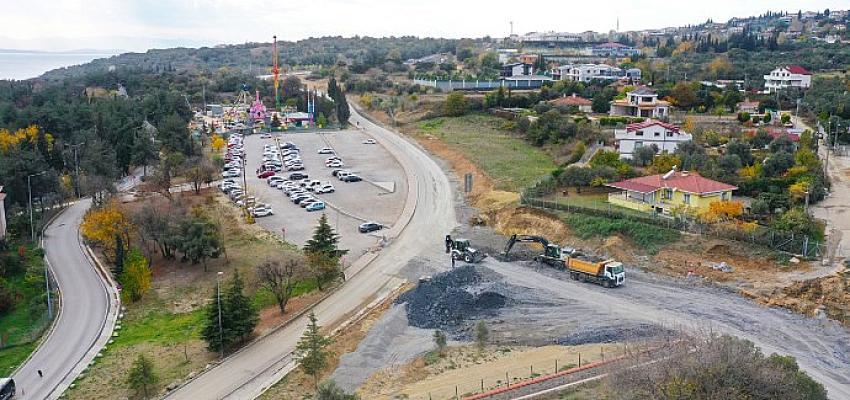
553,254
601,271
585,268
461,250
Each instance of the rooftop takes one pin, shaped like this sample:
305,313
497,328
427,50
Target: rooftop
690,182
796,69
571,101
651,122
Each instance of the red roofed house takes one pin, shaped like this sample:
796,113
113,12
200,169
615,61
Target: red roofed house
664,136
787,77
583,105
661,193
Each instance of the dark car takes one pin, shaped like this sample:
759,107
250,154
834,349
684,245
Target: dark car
351,178
297,176
369,227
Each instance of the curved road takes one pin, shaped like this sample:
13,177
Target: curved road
88,306
430,209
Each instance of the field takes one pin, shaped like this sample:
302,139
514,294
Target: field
166,324
23,326
510,162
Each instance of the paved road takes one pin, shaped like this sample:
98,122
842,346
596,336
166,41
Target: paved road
84,312
430,209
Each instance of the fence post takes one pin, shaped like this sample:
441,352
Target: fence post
556,365
579,359
507,380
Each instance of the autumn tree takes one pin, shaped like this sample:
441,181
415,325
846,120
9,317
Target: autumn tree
725,210
102,225
280,279
217,143
311,352
663,163
136,278
200,171
142,379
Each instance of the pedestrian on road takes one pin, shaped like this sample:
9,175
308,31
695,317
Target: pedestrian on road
453,262
448,243
40,374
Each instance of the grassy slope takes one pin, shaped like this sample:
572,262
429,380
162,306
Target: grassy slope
509,161
23,326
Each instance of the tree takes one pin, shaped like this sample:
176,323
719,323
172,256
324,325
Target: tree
782,144
279,279
328,390
796,220
743,117
440,341
343,113
761,139
218,143
198,239
740,149
720,67
482,335
663,163
136,279
455,105
684,95
776,164
643,155
322,252
238,317
101,226
311,352
144,152
142,377
200,171
722,211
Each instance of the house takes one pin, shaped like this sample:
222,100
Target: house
673,190
641,102
747,106
2,214
665,137
787,77
516,69
588,72
583,105
613,49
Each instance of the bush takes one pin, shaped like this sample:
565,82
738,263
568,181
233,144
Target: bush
644,235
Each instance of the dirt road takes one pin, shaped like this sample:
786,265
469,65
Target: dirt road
821,347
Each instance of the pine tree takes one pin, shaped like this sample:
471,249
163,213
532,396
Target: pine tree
240,311
311,351
322,253
324,239
142,377
343,113
333,89
119,255
136,278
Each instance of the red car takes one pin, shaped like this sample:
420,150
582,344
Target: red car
265,174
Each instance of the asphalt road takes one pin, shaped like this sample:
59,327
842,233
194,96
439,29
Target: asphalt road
84,311
430,209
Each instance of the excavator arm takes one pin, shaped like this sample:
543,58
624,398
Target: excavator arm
524,239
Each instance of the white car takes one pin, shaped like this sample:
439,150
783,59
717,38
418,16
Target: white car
370,141
335,164
274,179
266,136
231,173
324,188
326,150
262,211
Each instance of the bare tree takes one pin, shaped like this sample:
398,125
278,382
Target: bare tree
199,171
280,279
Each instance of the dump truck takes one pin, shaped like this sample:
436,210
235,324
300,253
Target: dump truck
605,272
462,250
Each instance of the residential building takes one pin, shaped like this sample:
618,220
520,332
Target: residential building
583,105
665,137
516,69
612,49
641,102
588,72
747,106
674,190
791,76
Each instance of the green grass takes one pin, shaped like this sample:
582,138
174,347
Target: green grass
22,327
161,328
509,161
649,237
11,357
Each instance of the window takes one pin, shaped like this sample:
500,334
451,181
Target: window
669,133
687,198
667,194
723,196
639,133
657,134
638,144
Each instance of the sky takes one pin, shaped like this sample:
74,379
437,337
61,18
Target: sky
137,25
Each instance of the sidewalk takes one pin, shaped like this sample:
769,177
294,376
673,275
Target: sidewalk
835,209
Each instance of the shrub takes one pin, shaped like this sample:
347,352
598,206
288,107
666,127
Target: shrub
642,234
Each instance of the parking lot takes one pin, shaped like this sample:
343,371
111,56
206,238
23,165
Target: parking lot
379,197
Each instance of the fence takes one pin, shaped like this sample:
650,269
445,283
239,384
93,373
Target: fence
481,85
761,235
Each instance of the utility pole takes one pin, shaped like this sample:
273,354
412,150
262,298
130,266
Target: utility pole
220,327
76,167
29,191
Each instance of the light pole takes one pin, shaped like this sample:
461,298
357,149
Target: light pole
220,327
76,167
29,192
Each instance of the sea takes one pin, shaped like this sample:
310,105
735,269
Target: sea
23,65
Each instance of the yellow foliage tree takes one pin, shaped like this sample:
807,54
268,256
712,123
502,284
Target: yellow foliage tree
663,163
11,140
725,210
136,278
689,125
798,190
750,172
719,67
217,142
102,225
683,47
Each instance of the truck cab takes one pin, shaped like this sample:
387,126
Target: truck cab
615,273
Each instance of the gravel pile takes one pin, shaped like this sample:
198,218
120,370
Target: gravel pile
624,332
448,299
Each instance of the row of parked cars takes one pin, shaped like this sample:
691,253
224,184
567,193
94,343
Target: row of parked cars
234,161
297,187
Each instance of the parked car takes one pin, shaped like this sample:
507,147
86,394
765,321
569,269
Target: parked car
369,227
370,141
295,167
298,175
272,180
266,136
289,145
325,188
262,211
351,178
250,201
335,164
326,150
300,198
316,206
306,202
231,173
343,174
265,174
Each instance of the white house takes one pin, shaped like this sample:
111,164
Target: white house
665,137
787,77
641,102
588,72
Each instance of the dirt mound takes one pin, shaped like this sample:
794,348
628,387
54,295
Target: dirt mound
827,296
528,221
448,299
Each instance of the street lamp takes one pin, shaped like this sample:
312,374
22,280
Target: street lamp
76,167
29,191
220,327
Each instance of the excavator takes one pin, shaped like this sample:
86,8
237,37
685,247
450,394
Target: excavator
553,254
